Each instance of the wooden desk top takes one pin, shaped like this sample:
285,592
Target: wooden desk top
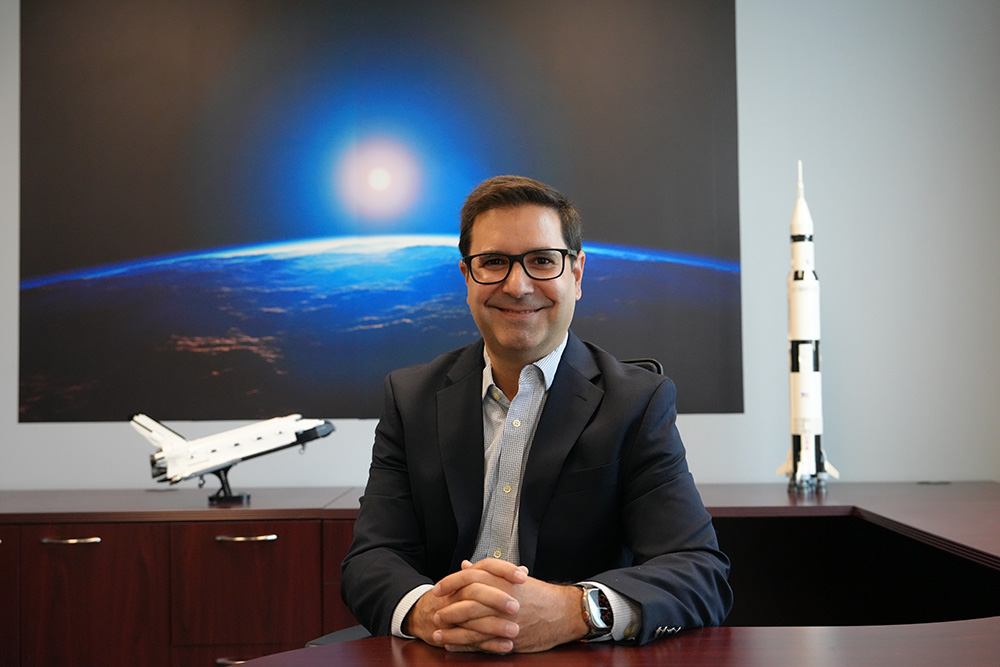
174,503
960,644
960,517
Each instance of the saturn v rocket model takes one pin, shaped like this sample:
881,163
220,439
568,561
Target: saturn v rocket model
806,467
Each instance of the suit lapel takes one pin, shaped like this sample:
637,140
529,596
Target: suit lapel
460,423
571,402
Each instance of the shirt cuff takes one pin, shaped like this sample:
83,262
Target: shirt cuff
627,615
403,608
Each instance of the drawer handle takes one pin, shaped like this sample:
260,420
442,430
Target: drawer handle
253,538
72,540
229,661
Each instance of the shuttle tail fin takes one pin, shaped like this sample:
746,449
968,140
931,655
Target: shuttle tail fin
157,434
170,445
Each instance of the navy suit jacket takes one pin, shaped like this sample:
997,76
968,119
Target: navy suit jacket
606,494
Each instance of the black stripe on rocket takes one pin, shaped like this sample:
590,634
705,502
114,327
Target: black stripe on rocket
794,351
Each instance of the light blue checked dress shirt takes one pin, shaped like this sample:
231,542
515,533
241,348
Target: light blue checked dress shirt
508,429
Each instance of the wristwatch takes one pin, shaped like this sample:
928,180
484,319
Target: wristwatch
596,611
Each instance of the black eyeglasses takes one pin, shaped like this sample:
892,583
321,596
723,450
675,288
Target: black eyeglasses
489,268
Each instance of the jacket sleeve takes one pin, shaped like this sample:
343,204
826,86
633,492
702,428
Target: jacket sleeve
387,554
678,575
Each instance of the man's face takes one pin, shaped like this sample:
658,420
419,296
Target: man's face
522,319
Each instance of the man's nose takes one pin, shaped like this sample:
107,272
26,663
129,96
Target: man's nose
518,282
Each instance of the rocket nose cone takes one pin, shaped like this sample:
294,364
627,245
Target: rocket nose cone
802,222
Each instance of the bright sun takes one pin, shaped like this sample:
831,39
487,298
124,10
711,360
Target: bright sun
378,179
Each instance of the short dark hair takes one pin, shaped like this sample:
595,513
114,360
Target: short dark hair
514,191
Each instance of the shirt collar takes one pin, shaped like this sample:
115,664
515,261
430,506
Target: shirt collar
547,364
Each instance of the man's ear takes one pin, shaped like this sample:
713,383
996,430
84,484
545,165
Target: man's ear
578,273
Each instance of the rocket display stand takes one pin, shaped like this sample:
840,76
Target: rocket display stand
806,467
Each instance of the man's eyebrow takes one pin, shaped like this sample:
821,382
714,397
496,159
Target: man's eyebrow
501,252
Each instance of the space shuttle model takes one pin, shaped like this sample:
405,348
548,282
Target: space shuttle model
807,468
178,458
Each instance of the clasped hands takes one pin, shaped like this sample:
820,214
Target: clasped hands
494,606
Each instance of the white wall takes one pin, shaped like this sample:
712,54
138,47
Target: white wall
894,108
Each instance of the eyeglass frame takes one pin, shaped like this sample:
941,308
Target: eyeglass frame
519,259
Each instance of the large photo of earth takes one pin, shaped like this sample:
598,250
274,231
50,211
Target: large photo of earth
236,210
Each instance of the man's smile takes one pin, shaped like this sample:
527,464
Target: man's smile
517,311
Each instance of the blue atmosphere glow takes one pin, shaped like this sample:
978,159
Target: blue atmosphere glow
352,145
366,244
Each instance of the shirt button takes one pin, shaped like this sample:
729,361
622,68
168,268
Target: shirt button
516,423
506,488
497,553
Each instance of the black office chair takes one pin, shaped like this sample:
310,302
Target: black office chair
649,364
359,631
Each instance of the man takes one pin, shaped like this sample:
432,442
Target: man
529,490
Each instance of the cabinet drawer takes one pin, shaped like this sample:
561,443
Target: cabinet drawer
94,594
246,582
337,536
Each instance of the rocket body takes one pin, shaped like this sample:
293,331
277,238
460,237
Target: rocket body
806,466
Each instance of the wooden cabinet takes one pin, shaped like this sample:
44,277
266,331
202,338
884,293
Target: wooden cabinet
161,578
94,594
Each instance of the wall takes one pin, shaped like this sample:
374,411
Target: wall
894,108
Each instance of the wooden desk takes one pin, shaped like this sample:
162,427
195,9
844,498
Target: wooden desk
962,644
959,517
861,554
938,545
861,575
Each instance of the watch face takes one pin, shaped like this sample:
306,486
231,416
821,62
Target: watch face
599,617
607,617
